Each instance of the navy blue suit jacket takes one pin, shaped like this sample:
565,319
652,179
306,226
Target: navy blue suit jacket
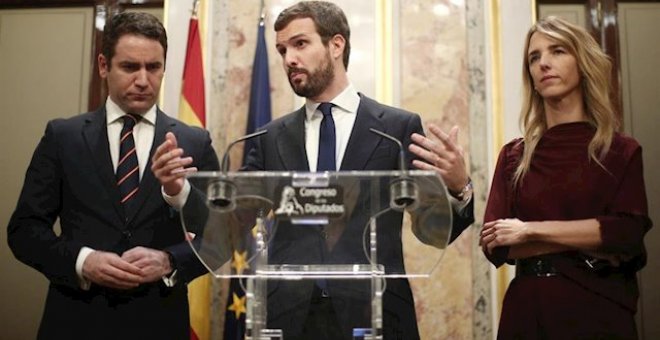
283,149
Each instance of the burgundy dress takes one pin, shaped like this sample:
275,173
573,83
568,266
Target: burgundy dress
563,183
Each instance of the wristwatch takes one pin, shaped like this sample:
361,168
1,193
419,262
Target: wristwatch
172,260
170,279
465,194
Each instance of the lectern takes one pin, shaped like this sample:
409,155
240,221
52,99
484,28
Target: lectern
290,235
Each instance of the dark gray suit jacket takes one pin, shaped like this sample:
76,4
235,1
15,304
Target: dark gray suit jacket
283,149
71,177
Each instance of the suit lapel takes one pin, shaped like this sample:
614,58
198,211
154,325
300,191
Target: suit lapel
95,135
363,142
148,182
291,143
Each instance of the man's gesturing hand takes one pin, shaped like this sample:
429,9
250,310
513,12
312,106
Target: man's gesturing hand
169,167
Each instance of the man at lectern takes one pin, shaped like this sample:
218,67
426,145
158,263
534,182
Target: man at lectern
331,132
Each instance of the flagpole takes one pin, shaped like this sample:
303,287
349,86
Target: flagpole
195,7
262,16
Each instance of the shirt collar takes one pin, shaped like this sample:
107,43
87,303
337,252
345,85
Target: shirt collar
114,113
348,101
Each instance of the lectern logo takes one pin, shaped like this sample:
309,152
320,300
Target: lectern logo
289,203
311,202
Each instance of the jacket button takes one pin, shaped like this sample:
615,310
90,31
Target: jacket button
127,234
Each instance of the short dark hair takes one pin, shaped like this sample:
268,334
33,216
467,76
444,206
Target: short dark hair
328,18
136,23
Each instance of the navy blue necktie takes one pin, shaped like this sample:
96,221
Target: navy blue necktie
326,162
327,140
128,170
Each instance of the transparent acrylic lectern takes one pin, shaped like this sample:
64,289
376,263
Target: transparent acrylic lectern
294,237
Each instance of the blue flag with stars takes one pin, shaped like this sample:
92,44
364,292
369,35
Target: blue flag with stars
259,111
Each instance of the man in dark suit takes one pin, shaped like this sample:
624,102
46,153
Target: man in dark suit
313,40
119,267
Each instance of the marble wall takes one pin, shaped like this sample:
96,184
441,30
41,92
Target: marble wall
433,75
434,84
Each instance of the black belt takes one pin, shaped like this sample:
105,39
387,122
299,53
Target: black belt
535,267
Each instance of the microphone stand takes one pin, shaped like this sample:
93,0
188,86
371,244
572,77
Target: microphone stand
222,191
404,191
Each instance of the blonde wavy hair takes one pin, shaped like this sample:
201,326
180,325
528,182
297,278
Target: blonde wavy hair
595,79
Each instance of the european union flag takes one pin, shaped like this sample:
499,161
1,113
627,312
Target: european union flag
259,112
235,312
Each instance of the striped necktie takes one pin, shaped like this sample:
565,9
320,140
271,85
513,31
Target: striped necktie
128,170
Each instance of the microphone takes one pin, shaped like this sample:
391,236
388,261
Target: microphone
404,192
225,158
221,191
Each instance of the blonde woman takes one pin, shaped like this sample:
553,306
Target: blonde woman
567,203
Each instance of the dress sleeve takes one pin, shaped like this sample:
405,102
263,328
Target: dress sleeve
626,220
500,200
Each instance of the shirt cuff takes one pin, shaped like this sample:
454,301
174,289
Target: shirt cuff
179,200
82,256
458,206
170,280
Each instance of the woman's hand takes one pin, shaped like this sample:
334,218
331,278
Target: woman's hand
504,232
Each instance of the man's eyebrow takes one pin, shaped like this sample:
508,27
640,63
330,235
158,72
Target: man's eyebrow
297,36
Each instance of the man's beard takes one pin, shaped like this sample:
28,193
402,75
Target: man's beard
317,82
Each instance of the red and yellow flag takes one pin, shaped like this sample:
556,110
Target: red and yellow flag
191,107
192,111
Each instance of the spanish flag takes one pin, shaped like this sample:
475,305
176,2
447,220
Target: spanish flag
192,112
191,107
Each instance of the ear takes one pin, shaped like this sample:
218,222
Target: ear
337,44
103,66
